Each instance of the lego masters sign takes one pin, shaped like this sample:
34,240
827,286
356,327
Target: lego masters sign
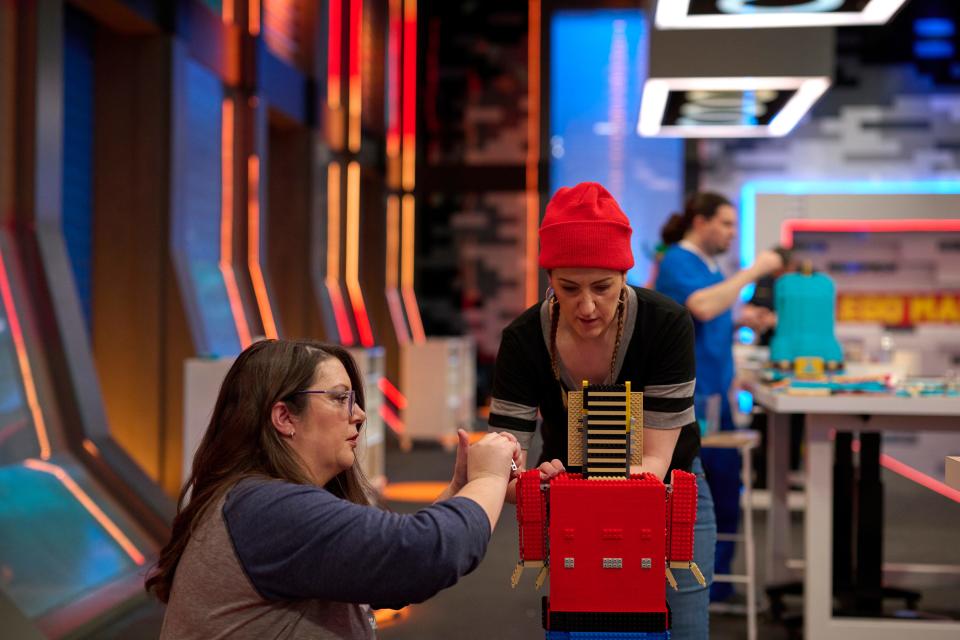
899,309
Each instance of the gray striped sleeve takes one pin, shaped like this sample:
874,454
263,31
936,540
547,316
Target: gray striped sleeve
517,419
668,406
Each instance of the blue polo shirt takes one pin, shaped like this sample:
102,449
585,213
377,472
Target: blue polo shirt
681,273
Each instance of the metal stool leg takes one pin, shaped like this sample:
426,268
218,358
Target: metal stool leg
750,561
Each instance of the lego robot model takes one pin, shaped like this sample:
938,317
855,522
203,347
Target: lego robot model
607,538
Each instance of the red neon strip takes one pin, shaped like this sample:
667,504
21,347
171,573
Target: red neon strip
393,80
392,393
408,174
395,306
26,373
334,20
393,421
789,227
919,477
340,312
226,225
908,472
87,503
413,314
360,313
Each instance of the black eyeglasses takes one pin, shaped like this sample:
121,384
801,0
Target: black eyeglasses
345,398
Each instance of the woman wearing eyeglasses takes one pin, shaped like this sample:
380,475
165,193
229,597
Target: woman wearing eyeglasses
278,538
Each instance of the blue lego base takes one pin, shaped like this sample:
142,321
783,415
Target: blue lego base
607,635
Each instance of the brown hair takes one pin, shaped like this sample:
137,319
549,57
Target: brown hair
703,204
241,441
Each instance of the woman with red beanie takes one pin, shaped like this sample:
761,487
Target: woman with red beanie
593,326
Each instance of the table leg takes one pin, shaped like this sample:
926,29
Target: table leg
870,527
818,529
778,517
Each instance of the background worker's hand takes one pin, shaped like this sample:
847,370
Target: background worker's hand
768,262
758,318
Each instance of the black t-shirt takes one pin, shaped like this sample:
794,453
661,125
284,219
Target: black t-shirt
656,355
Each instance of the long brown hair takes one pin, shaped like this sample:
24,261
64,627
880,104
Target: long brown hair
703,204
240,440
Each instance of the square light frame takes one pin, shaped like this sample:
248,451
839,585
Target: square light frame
656,91
674,14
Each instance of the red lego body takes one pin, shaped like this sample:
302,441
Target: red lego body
601,531
610,543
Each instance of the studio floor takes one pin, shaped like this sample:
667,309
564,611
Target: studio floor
921,527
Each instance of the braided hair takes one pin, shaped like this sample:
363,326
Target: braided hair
555,324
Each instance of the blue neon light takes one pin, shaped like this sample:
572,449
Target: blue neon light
934,28
933,49
746,335
750,190
745,401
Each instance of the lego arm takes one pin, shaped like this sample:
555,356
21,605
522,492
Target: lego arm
532,522
681,516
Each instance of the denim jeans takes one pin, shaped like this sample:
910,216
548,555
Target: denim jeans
691,618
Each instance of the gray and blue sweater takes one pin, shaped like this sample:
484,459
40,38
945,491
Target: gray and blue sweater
282,560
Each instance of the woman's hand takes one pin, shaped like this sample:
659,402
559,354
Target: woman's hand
550,469
492,455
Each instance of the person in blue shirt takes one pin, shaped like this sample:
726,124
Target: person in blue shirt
690,274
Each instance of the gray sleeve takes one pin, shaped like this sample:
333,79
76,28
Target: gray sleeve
297,541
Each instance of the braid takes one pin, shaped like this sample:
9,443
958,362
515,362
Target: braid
621,305
554,360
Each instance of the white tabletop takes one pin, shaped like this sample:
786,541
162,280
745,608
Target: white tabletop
855,404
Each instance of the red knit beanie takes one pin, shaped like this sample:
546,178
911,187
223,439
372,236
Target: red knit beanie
584,227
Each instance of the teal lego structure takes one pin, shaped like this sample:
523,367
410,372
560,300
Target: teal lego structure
805,304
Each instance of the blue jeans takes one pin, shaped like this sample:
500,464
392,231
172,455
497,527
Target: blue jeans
691,618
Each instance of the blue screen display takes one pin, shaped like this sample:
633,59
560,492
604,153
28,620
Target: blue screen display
598,66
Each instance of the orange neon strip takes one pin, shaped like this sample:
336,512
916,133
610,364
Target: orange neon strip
392,393
394,303
253,248
392,420
333,220
425,492
352,275
91,448
409,116
355,79
393,242
253,19
531,293
87,503
387,617
406,270
226,224
26,373
333,255
229,11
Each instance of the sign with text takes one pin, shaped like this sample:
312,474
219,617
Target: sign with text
900,309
